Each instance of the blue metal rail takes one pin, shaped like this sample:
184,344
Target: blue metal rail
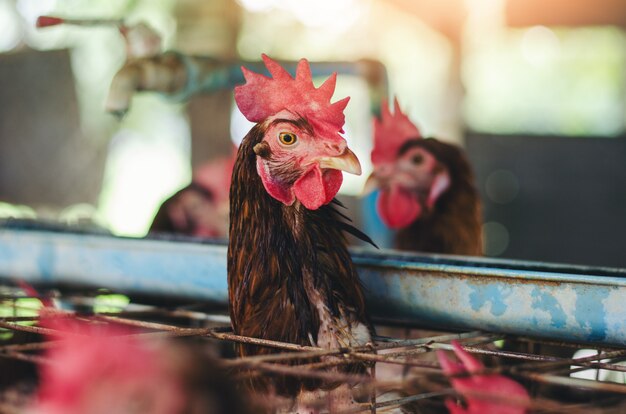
557,301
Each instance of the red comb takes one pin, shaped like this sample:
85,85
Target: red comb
45,21
508,396
261,97
390,132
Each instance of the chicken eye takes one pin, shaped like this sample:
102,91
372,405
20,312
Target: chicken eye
287,138
417,159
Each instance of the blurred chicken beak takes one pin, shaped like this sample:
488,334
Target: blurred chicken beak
371,185
347,162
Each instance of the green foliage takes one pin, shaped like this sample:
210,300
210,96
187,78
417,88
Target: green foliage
538,80
110,303
24,307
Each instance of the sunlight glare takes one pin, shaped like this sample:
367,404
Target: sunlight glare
11,30
540,46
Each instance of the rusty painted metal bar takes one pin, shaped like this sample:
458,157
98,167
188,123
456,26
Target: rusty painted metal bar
547,300
570,303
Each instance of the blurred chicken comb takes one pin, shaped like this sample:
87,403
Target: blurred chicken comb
391,131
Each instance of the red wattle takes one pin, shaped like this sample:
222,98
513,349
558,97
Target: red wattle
277,190
332,182
397,207
316,188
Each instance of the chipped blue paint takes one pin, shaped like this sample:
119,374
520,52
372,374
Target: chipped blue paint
489,295
587,312
544,300
524,298
126,265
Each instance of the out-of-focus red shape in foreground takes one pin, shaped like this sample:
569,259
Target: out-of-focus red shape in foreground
97,368
102,369
498,386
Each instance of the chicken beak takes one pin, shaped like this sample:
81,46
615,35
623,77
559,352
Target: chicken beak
347,162
371,185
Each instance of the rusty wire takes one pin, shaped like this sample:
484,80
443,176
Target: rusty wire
423,379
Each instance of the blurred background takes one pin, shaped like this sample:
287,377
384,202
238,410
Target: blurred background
535,91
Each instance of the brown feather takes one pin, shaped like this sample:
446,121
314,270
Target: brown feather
454,225
162,222
276,253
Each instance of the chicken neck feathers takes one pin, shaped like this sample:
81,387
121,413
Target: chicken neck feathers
289,270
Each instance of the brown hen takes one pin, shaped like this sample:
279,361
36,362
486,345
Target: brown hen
290,275
427,190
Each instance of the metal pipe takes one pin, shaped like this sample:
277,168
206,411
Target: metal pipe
178,77
164,73
570,303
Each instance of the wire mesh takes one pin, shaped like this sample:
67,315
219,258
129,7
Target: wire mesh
406,372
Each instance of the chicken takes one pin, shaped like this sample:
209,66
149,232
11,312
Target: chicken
427,194
290,276
427,191
201,208
483,393
97,368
